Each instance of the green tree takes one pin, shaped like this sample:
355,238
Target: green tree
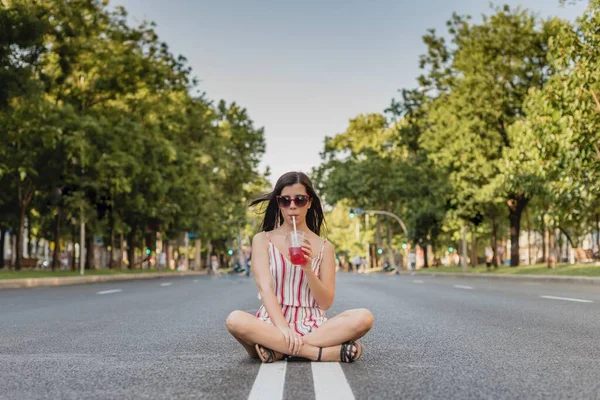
482,82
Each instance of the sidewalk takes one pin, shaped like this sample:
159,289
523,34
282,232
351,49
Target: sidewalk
524,277
80,280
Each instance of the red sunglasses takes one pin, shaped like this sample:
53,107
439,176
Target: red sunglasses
300,200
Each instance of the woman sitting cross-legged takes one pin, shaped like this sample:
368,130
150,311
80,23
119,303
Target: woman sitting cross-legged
291,320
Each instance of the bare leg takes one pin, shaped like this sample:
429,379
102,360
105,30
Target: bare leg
347,326
249,330
249,348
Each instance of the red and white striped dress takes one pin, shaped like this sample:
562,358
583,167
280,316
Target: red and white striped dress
290,285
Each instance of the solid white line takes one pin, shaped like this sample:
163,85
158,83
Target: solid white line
463,287
566,299
330,381
166,284
418,281
109,291
269,382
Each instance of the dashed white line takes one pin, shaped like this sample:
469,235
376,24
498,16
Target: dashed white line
566,299
463,287
269,382
109,291
418,281
330,381
166,284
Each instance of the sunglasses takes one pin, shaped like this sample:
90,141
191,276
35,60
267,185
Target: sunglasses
299,200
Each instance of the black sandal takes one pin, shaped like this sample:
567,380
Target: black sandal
346,352
270,353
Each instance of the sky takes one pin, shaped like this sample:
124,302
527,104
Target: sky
303,69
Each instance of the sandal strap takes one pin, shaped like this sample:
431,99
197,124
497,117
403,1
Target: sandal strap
270,354
320,352
346,352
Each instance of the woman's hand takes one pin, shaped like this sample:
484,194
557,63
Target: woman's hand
293,340
307,250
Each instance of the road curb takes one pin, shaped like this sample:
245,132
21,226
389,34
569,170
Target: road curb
80,280
537,278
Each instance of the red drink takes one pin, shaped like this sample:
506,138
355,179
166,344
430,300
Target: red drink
297,255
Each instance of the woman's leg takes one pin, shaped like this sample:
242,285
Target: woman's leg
249,330
347,326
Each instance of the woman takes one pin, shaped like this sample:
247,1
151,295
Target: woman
291,320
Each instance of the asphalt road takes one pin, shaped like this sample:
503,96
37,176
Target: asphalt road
433,338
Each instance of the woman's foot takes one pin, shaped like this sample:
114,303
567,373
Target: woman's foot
347,352
267,355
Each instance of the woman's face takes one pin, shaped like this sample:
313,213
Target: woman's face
297,193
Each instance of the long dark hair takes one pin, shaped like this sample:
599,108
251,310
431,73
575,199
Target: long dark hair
314,217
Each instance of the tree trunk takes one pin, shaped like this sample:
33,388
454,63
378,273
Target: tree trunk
29,241
2,242
528,236
131,248
198,255
473,248
167,254
552,252
598,233
208,251
56,255
19,238
89,253
546,244
73,241
516,205
111,228
573,244
495,243
121,250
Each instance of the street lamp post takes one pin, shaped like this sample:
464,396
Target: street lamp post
358,211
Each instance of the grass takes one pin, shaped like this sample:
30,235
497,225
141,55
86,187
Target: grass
10,274
539,269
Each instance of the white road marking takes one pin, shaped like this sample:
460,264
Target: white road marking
463,287
330,381
269,382
532,283
166,284
109,291
418,281
566,299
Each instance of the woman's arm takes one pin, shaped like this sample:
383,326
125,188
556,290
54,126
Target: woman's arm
264,281
322,287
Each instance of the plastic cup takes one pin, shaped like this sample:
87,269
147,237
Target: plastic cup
294,241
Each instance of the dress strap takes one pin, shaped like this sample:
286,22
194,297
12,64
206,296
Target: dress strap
268,237
322,248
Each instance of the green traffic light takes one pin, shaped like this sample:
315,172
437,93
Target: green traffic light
450,249
379,251
352,213
404,246
230,252
148,251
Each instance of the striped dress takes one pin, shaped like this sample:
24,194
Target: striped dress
290,285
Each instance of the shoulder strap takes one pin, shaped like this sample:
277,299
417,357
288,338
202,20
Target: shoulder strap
323,248
268,237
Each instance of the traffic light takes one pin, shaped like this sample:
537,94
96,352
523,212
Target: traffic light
379,251
230,252
404,246
352,213
450,249
148,251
